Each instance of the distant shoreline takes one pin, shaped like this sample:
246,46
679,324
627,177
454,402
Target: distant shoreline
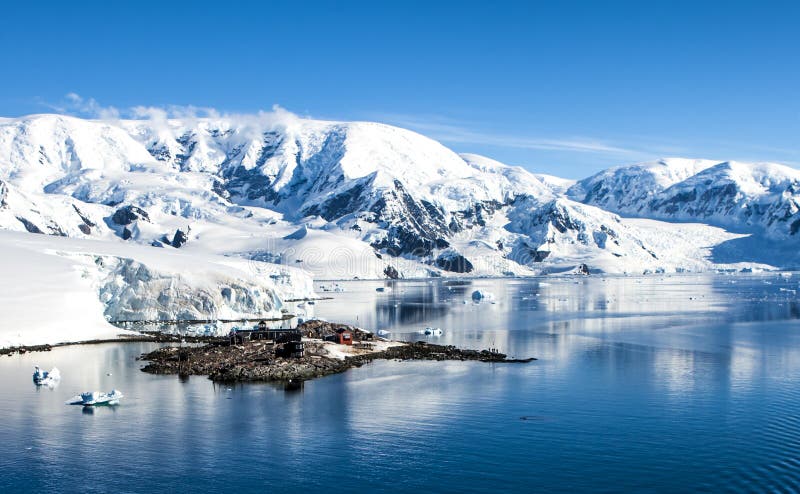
144,337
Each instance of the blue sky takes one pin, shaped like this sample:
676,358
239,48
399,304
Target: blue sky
565,88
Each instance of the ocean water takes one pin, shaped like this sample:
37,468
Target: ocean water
654,384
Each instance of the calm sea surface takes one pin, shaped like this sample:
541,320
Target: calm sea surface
655,384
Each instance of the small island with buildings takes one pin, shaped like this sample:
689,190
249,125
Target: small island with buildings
313,349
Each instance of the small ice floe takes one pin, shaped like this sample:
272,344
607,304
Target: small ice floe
44,378
429,331
96,398
479,295
384,333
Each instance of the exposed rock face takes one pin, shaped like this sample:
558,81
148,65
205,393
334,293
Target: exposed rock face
452,261
350,201
3,194
540,255
249,186
415,227
86,224
52,227
179,239
29,225
128,214
476,215
559,217
391,273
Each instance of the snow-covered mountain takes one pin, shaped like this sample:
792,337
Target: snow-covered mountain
763,198
370,200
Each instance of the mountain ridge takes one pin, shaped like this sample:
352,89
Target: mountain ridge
394,197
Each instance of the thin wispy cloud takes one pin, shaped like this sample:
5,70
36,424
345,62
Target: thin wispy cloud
75,105
443,129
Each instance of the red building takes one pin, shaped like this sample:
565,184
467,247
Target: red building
344,336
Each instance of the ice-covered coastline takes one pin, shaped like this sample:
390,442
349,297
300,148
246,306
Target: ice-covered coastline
59,289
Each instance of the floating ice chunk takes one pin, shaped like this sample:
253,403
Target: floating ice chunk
44,378
96,398
429,331
479,295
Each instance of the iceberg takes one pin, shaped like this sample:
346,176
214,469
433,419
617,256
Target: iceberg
44,378
96,398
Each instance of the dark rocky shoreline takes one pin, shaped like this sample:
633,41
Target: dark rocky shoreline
256,361
146,337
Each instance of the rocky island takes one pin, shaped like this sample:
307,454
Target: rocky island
224,361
